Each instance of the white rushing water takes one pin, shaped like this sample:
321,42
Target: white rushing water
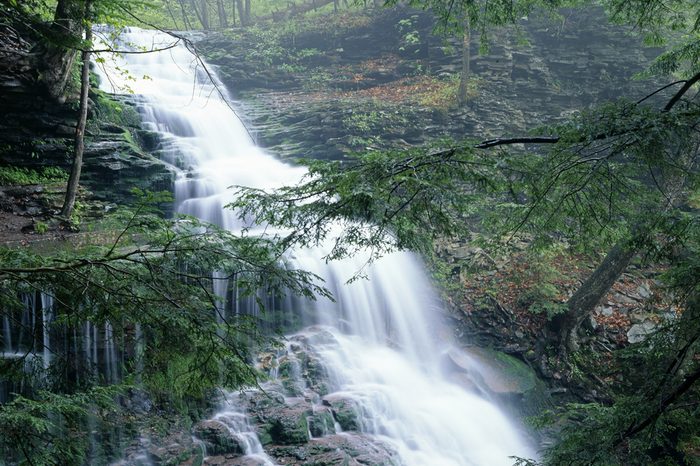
386,356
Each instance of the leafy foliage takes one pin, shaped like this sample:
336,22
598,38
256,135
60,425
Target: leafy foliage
22,175
156,275
376,201
48,429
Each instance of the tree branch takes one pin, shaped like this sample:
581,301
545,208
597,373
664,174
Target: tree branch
681,92
523,140
663,405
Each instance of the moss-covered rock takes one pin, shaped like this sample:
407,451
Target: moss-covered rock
345,411
217,438
321,423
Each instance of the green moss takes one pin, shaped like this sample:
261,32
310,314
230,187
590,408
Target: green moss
112,110
520,374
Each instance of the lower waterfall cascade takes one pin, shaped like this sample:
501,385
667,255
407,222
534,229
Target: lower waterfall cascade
378,340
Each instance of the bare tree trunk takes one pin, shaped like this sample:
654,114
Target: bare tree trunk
59,54
223,20
233,11
79,142
247,11
185,19
172,15
241,12
466,57
206,23
198,13
589,294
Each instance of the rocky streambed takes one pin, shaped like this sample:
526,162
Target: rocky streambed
303,415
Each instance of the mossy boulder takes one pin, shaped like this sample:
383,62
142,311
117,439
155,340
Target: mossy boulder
345,411
218,439
321,423
286,425
501,375
280,421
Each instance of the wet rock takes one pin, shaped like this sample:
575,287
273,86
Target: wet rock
321,423
175,449
229,460
345,411
335,450
218,439
279,420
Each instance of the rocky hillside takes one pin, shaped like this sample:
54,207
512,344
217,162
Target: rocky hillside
364,81
36,133
383,79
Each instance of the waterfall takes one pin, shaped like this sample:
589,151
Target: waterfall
46,318
7,333
385,354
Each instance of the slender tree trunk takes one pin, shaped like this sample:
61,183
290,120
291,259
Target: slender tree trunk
198,12
59,53
466,57
247,11
79,142
241,12
185,19
233,11
206,23
590,293
172,15
223,20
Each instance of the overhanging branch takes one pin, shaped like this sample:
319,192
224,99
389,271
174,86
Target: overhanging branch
508,141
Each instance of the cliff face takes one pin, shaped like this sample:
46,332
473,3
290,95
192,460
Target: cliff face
37,131
383,79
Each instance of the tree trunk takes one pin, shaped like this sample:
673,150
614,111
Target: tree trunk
206,23
79,142
247,11
200,10
185,19
233,11
241,12
223,20
589,294
466,57
172,15
59,54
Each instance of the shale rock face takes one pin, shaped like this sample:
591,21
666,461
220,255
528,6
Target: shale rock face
37,132
330,91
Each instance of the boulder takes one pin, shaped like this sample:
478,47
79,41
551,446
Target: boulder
335,450
218,439
639,332
345,411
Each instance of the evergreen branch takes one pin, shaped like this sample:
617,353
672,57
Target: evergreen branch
681,92
519,140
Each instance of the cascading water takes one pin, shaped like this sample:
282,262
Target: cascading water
384,355
46,317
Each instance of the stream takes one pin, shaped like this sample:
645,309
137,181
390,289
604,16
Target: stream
380,346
